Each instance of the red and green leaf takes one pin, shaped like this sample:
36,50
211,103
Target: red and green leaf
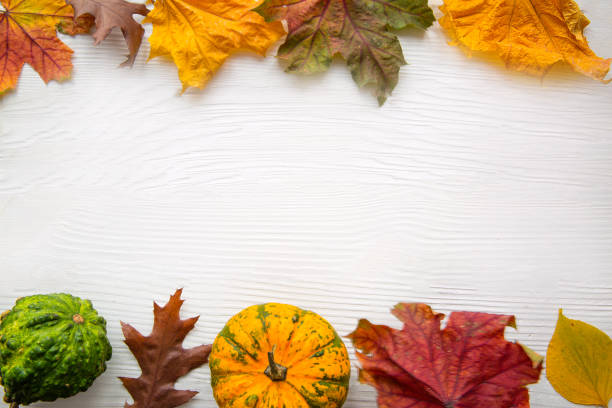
467,364
358,30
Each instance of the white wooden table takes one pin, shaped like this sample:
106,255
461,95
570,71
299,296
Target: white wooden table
473,188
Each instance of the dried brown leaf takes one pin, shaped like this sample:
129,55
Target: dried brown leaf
162,358
114,13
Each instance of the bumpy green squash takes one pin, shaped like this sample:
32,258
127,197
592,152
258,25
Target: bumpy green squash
51,346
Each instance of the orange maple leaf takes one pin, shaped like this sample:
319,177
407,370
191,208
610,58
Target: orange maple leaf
528,35
28,34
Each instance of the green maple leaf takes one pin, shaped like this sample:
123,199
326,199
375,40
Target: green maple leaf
359,30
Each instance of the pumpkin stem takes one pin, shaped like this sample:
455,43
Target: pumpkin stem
14,405
275,371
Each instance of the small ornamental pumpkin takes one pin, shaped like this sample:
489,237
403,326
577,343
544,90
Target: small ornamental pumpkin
51,346
279,356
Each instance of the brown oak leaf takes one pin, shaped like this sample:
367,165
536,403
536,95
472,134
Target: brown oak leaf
467,364
162,358
114,13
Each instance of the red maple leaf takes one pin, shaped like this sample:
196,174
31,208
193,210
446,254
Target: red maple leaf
162,358
468,364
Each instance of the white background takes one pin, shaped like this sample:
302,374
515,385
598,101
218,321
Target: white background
473,188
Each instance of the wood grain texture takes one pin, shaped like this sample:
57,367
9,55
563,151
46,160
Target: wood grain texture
473,188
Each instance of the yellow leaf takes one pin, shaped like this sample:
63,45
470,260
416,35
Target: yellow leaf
579,362
528,35
200,34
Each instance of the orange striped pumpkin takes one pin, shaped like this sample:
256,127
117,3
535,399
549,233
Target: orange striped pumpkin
279,356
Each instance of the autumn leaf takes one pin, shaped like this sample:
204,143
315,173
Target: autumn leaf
467,364
358,30
200,35
528,35
114,13
162,358
28,35
579,362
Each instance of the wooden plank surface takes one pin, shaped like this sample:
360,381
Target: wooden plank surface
473,188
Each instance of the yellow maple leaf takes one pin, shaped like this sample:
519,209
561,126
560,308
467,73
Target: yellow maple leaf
200,34
529,35
579,362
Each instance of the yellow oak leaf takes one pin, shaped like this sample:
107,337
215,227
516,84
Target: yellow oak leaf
579,362
528,35
199,35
